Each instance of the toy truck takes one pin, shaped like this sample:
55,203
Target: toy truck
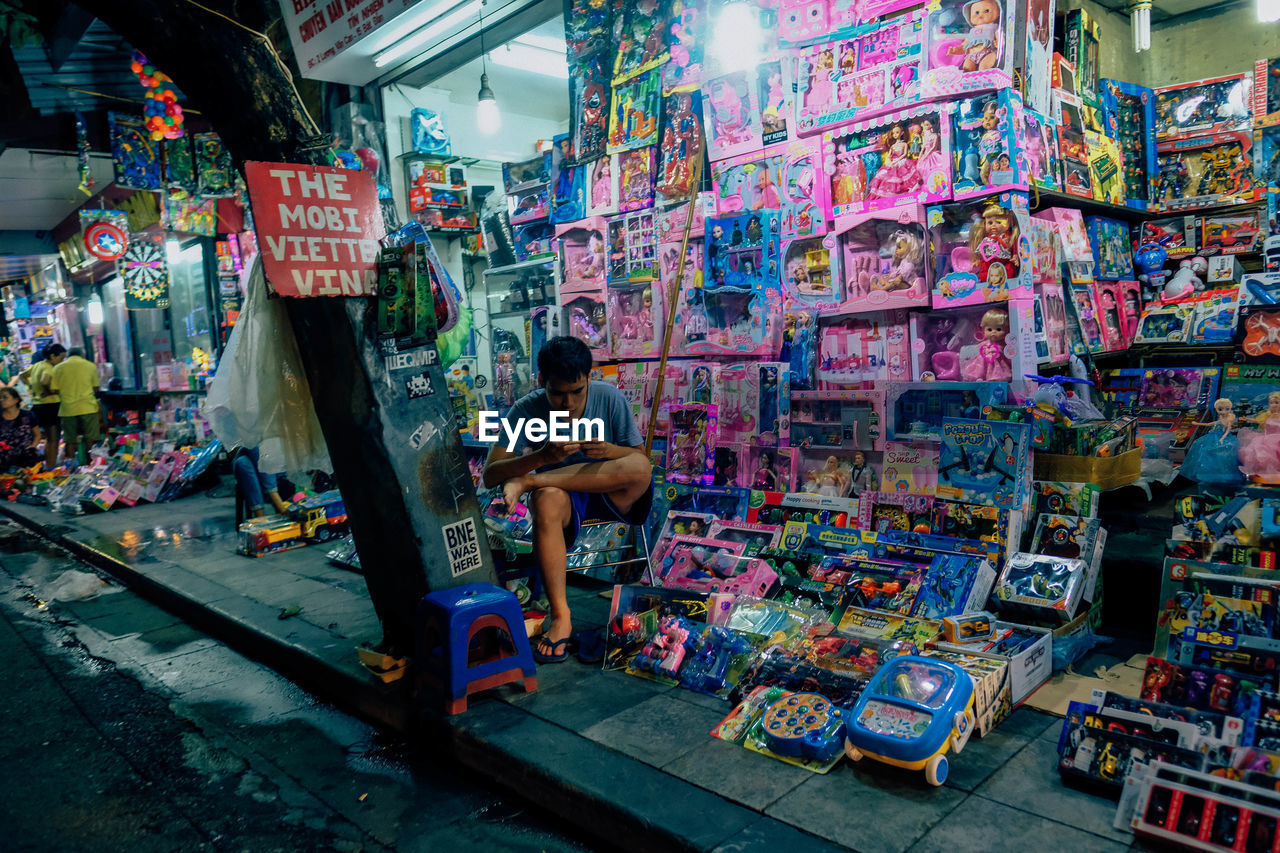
314,519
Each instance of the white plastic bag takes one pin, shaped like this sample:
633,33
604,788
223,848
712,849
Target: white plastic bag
260,396
73,585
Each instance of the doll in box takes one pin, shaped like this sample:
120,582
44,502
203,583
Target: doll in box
906,263
1214,460
900,174
1260,450
993,244
992,363
981,47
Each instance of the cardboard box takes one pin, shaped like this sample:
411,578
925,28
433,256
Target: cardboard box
1028,669
991,693
1109,472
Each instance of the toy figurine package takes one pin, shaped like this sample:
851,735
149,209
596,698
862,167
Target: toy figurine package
1073,150
986,143
1217,105
635,184
1109,239
689,444
1205,170
602,190
632,251
681,143
633,119
1080,37
589,107
784,178
740,286
690,325
883,260
880,164
978,253
1129,118
636,319
985,463
568,193
861,76
731,115
1040,151
811,276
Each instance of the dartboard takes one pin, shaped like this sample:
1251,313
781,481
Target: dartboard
145,274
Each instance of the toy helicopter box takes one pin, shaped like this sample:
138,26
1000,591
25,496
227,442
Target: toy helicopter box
985,463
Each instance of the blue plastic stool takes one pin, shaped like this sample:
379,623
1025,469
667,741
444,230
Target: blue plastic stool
449,619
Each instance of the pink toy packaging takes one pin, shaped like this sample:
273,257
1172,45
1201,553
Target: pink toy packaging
805,22
585,317
688,29
698,383
770,469
859,77
636,319
583,255
731,115
979,253
1034,54
603,196
811,278
909,468
873,166
979,343
774,88
785,178
883,258
865,348
970,46
1076,252
739,403
632,250
1130,309
1107,301
690,322
690,439
1053,321
682,122
671,219
635,184
1086,311
1040,151
987,145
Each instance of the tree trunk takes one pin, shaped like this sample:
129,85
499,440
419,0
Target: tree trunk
399,500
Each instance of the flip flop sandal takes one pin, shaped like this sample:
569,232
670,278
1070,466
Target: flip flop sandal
559,650
591,645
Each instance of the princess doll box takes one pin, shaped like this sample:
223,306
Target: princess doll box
884,259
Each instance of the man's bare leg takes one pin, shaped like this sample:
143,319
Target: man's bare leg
623,480
551,513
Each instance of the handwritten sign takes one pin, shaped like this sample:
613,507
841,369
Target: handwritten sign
318,228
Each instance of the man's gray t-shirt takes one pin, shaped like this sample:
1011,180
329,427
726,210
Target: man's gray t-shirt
603,401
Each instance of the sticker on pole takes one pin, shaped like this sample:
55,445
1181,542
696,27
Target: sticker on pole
318,228
463,546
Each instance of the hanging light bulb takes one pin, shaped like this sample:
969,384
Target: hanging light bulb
1268,11
1140,21
488,118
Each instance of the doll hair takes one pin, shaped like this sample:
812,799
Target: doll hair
886,138
978,230
915,246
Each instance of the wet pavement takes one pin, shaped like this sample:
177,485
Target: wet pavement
131,730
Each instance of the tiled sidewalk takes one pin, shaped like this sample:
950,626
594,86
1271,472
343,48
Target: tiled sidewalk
629,760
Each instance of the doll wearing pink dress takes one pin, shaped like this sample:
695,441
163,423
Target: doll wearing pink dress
899,175
931,161
1260,450
991,365
767,197
600,190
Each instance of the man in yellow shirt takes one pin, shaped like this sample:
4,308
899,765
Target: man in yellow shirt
76,383
44,402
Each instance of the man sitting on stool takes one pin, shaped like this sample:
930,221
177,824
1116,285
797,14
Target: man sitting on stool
571,482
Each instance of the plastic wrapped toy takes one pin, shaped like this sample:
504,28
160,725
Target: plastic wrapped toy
1213,460
877,164
978,253
883,260
1260,449
914,710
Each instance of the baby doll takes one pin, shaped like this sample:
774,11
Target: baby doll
981,46
991,365
1213,460
994,240
908,255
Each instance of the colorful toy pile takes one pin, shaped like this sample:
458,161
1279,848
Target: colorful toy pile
163,112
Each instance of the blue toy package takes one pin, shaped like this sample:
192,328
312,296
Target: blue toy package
954,584
568,182
914,411
985,463
1109,239
429,133
1129,117
717,661
726,502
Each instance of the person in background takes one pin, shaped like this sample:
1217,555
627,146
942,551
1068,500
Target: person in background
19,432
76,382
45,403
254,484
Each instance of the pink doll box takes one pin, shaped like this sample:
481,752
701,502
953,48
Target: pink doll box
1107,303
896,160
632,248
583,255
1035,54
1040,150
636,320
909,468
785,178
980,252
686,553
671,218
770,468
690,439
1130,308
864,348
811,278
635,184
1042,235
1053,315
884,260
752,534
731,115
834,473
1086,311
860,76
969,46
977,343
690,322
1073,241
603,179
805,22
728,460
585,316
739,402
697,382
984,135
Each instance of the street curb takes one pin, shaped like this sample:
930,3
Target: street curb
621,802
